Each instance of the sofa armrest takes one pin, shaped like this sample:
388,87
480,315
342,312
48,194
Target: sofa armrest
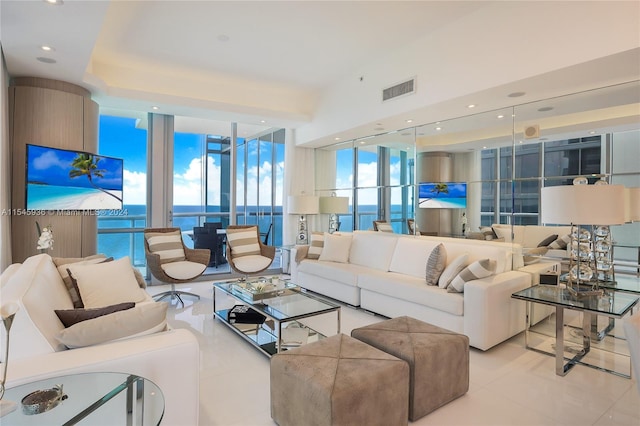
491,316
154,357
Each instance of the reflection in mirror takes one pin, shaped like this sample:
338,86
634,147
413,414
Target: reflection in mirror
376,173
504,156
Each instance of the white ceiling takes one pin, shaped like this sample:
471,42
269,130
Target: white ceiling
259,63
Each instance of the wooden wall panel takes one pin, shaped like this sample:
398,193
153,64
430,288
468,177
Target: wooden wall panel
60,115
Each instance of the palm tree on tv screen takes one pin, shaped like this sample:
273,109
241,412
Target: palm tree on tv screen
87,165
440,188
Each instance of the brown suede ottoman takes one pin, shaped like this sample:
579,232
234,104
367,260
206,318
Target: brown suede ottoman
438,359
339,381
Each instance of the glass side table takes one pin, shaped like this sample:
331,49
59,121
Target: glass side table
612,304
96,398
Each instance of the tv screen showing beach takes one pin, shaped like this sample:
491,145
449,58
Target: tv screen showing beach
442,195
59,179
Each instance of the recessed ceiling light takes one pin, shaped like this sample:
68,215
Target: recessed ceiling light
516,94
501,116
47,48
544,109
592,132
336,139
155,108
361,142
54,2
262,121
46,60
484,147
409,121
223,38
521,142
471,106
438,128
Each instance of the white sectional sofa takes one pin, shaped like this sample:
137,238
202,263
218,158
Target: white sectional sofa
385,274
168,358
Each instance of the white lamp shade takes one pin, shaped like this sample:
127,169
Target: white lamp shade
334,205
632,204
583,205
303,204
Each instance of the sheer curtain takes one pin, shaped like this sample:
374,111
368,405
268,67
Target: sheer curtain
5,172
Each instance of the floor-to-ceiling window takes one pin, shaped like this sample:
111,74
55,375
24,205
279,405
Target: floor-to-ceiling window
120,231
260,183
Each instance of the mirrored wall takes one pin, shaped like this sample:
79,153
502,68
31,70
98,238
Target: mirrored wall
498,159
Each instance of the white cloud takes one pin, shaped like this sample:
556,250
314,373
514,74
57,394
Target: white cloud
135,187
47,160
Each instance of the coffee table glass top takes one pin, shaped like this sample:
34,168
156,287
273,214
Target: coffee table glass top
91,398
288,304
611,303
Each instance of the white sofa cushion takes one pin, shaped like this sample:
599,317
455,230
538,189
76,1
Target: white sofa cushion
343,273
372,249
410,256
411,289
107,284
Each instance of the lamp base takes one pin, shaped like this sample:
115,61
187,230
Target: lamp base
7,407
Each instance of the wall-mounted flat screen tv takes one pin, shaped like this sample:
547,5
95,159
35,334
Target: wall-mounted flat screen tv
442,195
60,179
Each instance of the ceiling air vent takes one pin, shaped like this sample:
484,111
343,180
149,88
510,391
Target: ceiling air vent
401,89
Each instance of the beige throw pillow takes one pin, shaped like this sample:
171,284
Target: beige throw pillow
315,245
167,245
243,242
478,269
436,264
146,318
107,284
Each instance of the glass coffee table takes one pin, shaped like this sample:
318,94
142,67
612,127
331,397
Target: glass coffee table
579,341
88,398
271,316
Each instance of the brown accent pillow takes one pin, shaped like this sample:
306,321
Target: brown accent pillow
548,240
68,317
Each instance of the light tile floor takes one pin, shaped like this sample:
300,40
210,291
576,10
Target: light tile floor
509,385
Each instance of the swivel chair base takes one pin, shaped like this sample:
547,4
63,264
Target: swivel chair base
174,294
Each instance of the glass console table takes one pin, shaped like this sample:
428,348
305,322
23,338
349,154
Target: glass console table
91,399
612,304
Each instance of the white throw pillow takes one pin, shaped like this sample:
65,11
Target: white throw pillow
452,270
478,269
336,248
107,284
146,318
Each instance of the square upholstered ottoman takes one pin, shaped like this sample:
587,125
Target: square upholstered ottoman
339,381
438,359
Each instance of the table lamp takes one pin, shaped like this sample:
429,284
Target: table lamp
334,206
302,205
581,205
